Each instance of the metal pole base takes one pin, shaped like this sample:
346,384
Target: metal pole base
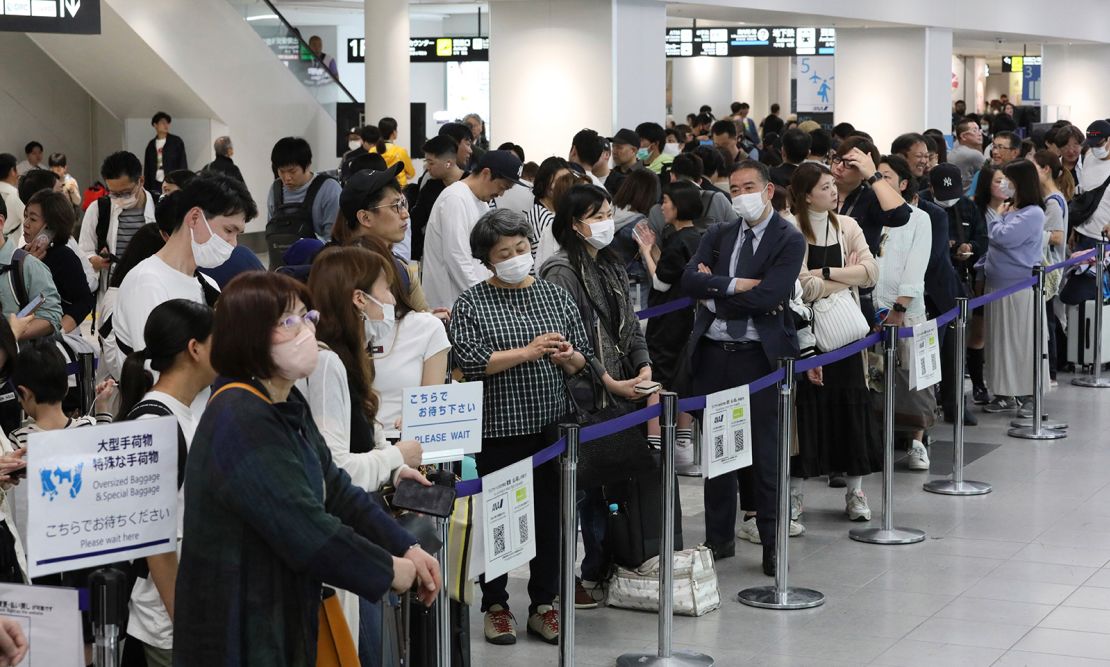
677,658
892,536
1025,423
771,597
688,470
1091,381
950,487
1030,433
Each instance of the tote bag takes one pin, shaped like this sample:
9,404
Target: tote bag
837,318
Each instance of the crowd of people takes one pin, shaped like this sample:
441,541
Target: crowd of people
286,384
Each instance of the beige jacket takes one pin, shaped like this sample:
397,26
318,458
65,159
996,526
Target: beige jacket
863,274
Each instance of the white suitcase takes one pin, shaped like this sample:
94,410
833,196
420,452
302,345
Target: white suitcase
1081,334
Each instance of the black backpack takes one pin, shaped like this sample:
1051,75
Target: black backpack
292,221
19,288
1083,206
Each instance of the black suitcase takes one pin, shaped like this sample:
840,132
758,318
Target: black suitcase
422,637
633,534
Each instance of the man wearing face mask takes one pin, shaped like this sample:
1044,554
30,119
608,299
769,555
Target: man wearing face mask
210,213
1095,172
742,274
107,227
449,269
653,139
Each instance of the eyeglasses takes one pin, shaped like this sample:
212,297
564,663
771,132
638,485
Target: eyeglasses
398,206
311,318
123,195
836,159
1003,148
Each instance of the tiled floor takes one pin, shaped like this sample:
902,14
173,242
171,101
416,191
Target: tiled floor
1019,577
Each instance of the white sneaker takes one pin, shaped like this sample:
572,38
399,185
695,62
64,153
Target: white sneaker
683,453
748,530
919,457
856,506
796,507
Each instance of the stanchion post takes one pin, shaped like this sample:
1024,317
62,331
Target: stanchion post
106,588
1037,429
665,655
1095,379
781,596
443,598
568,543
888,533
958,486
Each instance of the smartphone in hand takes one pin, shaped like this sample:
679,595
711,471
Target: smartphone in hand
32,306
647,388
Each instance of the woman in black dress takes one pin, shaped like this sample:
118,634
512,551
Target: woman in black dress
836,434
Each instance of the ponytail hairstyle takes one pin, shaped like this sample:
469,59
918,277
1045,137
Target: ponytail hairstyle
387,126
1060,176
168,331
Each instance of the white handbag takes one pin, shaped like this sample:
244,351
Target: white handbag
695,584
837,319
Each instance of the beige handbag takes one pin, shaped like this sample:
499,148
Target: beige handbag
695,584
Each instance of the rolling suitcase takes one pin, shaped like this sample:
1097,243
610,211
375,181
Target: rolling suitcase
1081,334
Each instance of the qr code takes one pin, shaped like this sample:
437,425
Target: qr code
718,445
522,524
738,441
499,540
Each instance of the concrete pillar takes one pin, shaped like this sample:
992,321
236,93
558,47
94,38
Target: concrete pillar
1073,82
557,66
912,69
387,64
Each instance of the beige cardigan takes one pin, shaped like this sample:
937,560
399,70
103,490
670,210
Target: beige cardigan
864,274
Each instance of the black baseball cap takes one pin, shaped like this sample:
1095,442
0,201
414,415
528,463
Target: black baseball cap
502,164
1097,132
946,181
363,185
626,137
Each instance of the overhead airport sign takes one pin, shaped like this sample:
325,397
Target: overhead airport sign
1019,63
79,17
750,41
430,49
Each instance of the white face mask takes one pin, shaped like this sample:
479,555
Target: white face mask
1100,152
514,270
1006,188
947,203
749,206
213,252
671,149
353,144
377,330
601,233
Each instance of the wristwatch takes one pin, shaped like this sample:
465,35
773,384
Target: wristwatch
826,273
875,178
898,308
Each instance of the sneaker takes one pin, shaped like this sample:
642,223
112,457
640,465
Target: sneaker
500,628
748,531
856,506
796,507
796,528
1025,411
919,456
980,396
545,624
588,595
684,453
1001,404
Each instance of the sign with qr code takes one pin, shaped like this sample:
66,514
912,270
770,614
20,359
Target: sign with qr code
925,371
726,432
509,518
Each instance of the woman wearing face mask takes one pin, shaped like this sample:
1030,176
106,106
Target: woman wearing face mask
268,514
50,214
179,333
520,336
351,289
597,281
1016,241
989,198
1057,188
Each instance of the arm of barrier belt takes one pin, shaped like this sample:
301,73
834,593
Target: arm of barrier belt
656,311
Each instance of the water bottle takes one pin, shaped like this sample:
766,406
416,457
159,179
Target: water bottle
618,537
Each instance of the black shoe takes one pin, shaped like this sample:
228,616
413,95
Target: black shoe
837,482
723,551
770,562
981,395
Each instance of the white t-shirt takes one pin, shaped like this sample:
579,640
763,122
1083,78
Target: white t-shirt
160,173
151,283
149,621
449,268
399,364
517,198
1094,173
903,258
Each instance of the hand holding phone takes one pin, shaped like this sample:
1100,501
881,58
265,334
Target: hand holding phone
32,306
647,388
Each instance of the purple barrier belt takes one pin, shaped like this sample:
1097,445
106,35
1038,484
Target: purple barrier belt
656,311
1000,294
473,486
698,402
1078,259
804,365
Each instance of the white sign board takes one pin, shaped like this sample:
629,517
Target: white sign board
101,494
925,371
509,517
51,621
445,419
726,432
816,75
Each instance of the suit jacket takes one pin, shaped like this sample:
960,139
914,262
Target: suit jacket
776,262
173,158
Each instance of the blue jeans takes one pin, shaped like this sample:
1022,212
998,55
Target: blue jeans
592,518
369,633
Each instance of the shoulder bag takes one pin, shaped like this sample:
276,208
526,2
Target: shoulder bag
837,318
695,584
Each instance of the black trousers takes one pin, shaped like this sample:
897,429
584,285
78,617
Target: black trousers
543,580
714,369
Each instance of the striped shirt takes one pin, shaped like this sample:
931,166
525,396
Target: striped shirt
130,220
540,217
19,436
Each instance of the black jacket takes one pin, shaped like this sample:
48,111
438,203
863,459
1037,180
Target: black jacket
173,158
225,166
941,284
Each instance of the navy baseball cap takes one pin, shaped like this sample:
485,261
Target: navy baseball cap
1097,132
503,164
946,181
626,137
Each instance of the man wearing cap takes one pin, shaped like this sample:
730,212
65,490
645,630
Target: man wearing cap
1095,172
449,268
624,146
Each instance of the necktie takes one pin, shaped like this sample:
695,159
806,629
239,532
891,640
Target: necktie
738,328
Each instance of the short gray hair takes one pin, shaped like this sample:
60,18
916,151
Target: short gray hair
222,146
494,226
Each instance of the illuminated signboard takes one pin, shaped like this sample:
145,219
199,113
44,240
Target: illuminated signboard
430,49
750,41
1018,63
81,17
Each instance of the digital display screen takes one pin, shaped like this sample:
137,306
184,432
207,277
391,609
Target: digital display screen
1018,63
750,41
430,49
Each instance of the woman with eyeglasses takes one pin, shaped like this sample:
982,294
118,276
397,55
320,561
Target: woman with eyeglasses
269,516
